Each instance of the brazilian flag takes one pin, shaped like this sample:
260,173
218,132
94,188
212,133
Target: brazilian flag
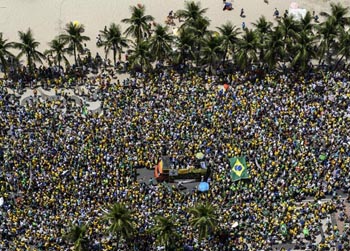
85,110
239,168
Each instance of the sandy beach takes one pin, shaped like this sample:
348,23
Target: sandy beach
47,18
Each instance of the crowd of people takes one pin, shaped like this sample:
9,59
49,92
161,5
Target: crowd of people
60,168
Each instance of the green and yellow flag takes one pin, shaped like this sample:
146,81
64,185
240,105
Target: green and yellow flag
239,168
85,110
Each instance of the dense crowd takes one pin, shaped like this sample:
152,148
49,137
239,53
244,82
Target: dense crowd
59,167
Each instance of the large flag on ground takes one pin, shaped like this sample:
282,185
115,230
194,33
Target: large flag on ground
238,168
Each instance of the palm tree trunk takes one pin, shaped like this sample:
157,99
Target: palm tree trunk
211,68
338,62
321,55
329,56
4,66
224,58
114,55
75,54
59,61
106,52
118,240
320,60
198,55
233,55
182,57
30,64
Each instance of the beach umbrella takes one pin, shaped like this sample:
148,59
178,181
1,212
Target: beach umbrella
203,186
76,23
294,5
199,155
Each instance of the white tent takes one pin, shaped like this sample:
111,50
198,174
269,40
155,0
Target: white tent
297,14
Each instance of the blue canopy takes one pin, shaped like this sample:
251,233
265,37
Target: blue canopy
203,186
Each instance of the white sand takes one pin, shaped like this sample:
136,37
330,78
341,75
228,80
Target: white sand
48,17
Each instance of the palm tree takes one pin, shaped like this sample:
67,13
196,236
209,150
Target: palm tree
263,28
199,28
248,47
184,43
77,236
229,35
165,231
339,14
140,56
304,50
5,46
191,13
327,34
112,39
58,50
138,23
288,29
330,29
196,23
28,47
274,52
306,23
74,38
160,42
120,220
204,219
212,51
